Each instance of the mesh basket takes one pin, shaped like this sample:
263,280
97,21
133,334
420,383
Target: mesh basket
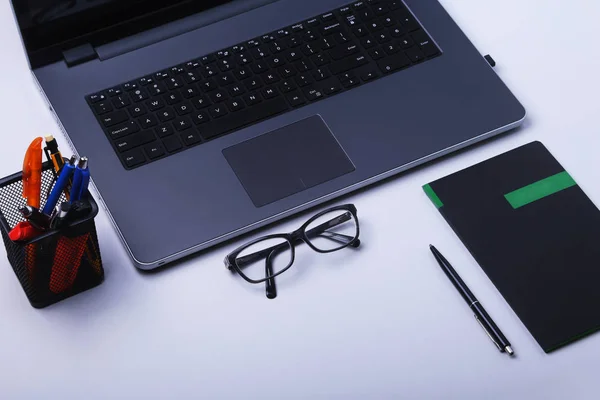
57,264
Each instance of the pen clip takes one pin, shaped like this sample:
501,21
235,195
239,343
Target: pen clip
488,333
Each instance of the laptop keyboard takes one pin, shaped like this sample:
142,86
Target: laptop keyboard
186,105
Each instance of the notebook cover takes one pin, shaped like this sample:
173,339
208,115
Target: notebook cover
535,234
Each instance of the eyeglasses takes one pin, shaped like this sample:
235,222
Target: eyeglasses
265,258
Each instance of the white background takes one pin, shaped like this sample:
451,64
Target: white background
380,322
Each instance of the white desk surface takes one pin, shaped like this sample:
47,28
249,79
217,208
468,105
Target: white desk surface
359,324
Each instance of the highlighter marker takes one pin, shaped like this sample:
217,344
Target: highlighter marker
61,183
53,154
32,173
81,179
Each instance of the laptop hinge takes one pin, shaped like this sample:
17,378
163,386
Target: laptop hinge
79,55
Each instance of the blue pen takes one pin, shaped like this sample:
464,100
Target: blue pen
81,179
61,184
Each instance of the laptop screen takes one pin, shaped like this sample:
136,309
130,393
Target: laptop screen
49,27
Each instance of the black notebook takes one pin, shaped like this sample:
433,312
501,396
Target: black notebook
535,234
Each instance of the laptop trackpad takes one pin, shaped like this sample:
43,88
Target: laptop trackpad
288,160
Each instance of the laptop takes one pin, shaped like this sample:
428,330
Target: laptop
204,120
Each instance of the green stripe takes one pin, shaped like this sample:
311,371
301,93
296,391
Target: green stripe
540,189
433,196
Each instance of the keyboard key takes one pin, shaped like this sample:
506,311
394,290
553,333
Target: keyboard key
243,59
347,64
191,77
225,64
209,85
341,37
406,42
148,121
192,65
425,43
298,28
200,102
209,71
191,137
303,65
190,91
119,131
252,99
369,75
225,79
394,5
388,21
137,111
293,55
164,130
177,70
135,140
287,71
268,38
269,93
173,98
407,21
242,73
183,108
368,42
116,91
276,47
223,54
157,88
283,33
172,144
415,55
139,95
114,118
259,67
159,76
217,110
344,51
391,49
382,37
332,86
120,101
287,86
380,9
312,93
253,43
393,63
304,80
174,83
310,36
218,95
200,117
128,87
146,81
359,5
328,17
235,105
375,26
396,31
320,74
253,84
242,118
376,54
330,29
166,114
134,158
320,59
360,31
365,15
103,107
276,61
293,41
236,90
154,151
312,22
270,77
345,10
182,123
240,48
259,53
326,44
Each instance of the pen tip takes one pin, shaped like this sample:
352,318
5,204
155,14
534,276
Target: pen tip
509,350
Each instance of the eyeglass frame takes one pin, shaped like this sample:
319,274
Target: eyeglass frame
299,235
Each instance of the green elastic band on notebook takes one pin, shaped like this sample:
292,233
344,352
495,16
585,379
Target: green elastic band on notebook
433,196
540,189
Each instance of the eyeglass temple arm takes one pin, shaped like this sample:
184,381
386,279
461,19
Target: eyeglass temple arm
316,231
271,289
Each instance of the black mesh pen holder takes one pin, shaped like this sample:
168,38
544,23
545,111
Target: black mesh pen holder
59,263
